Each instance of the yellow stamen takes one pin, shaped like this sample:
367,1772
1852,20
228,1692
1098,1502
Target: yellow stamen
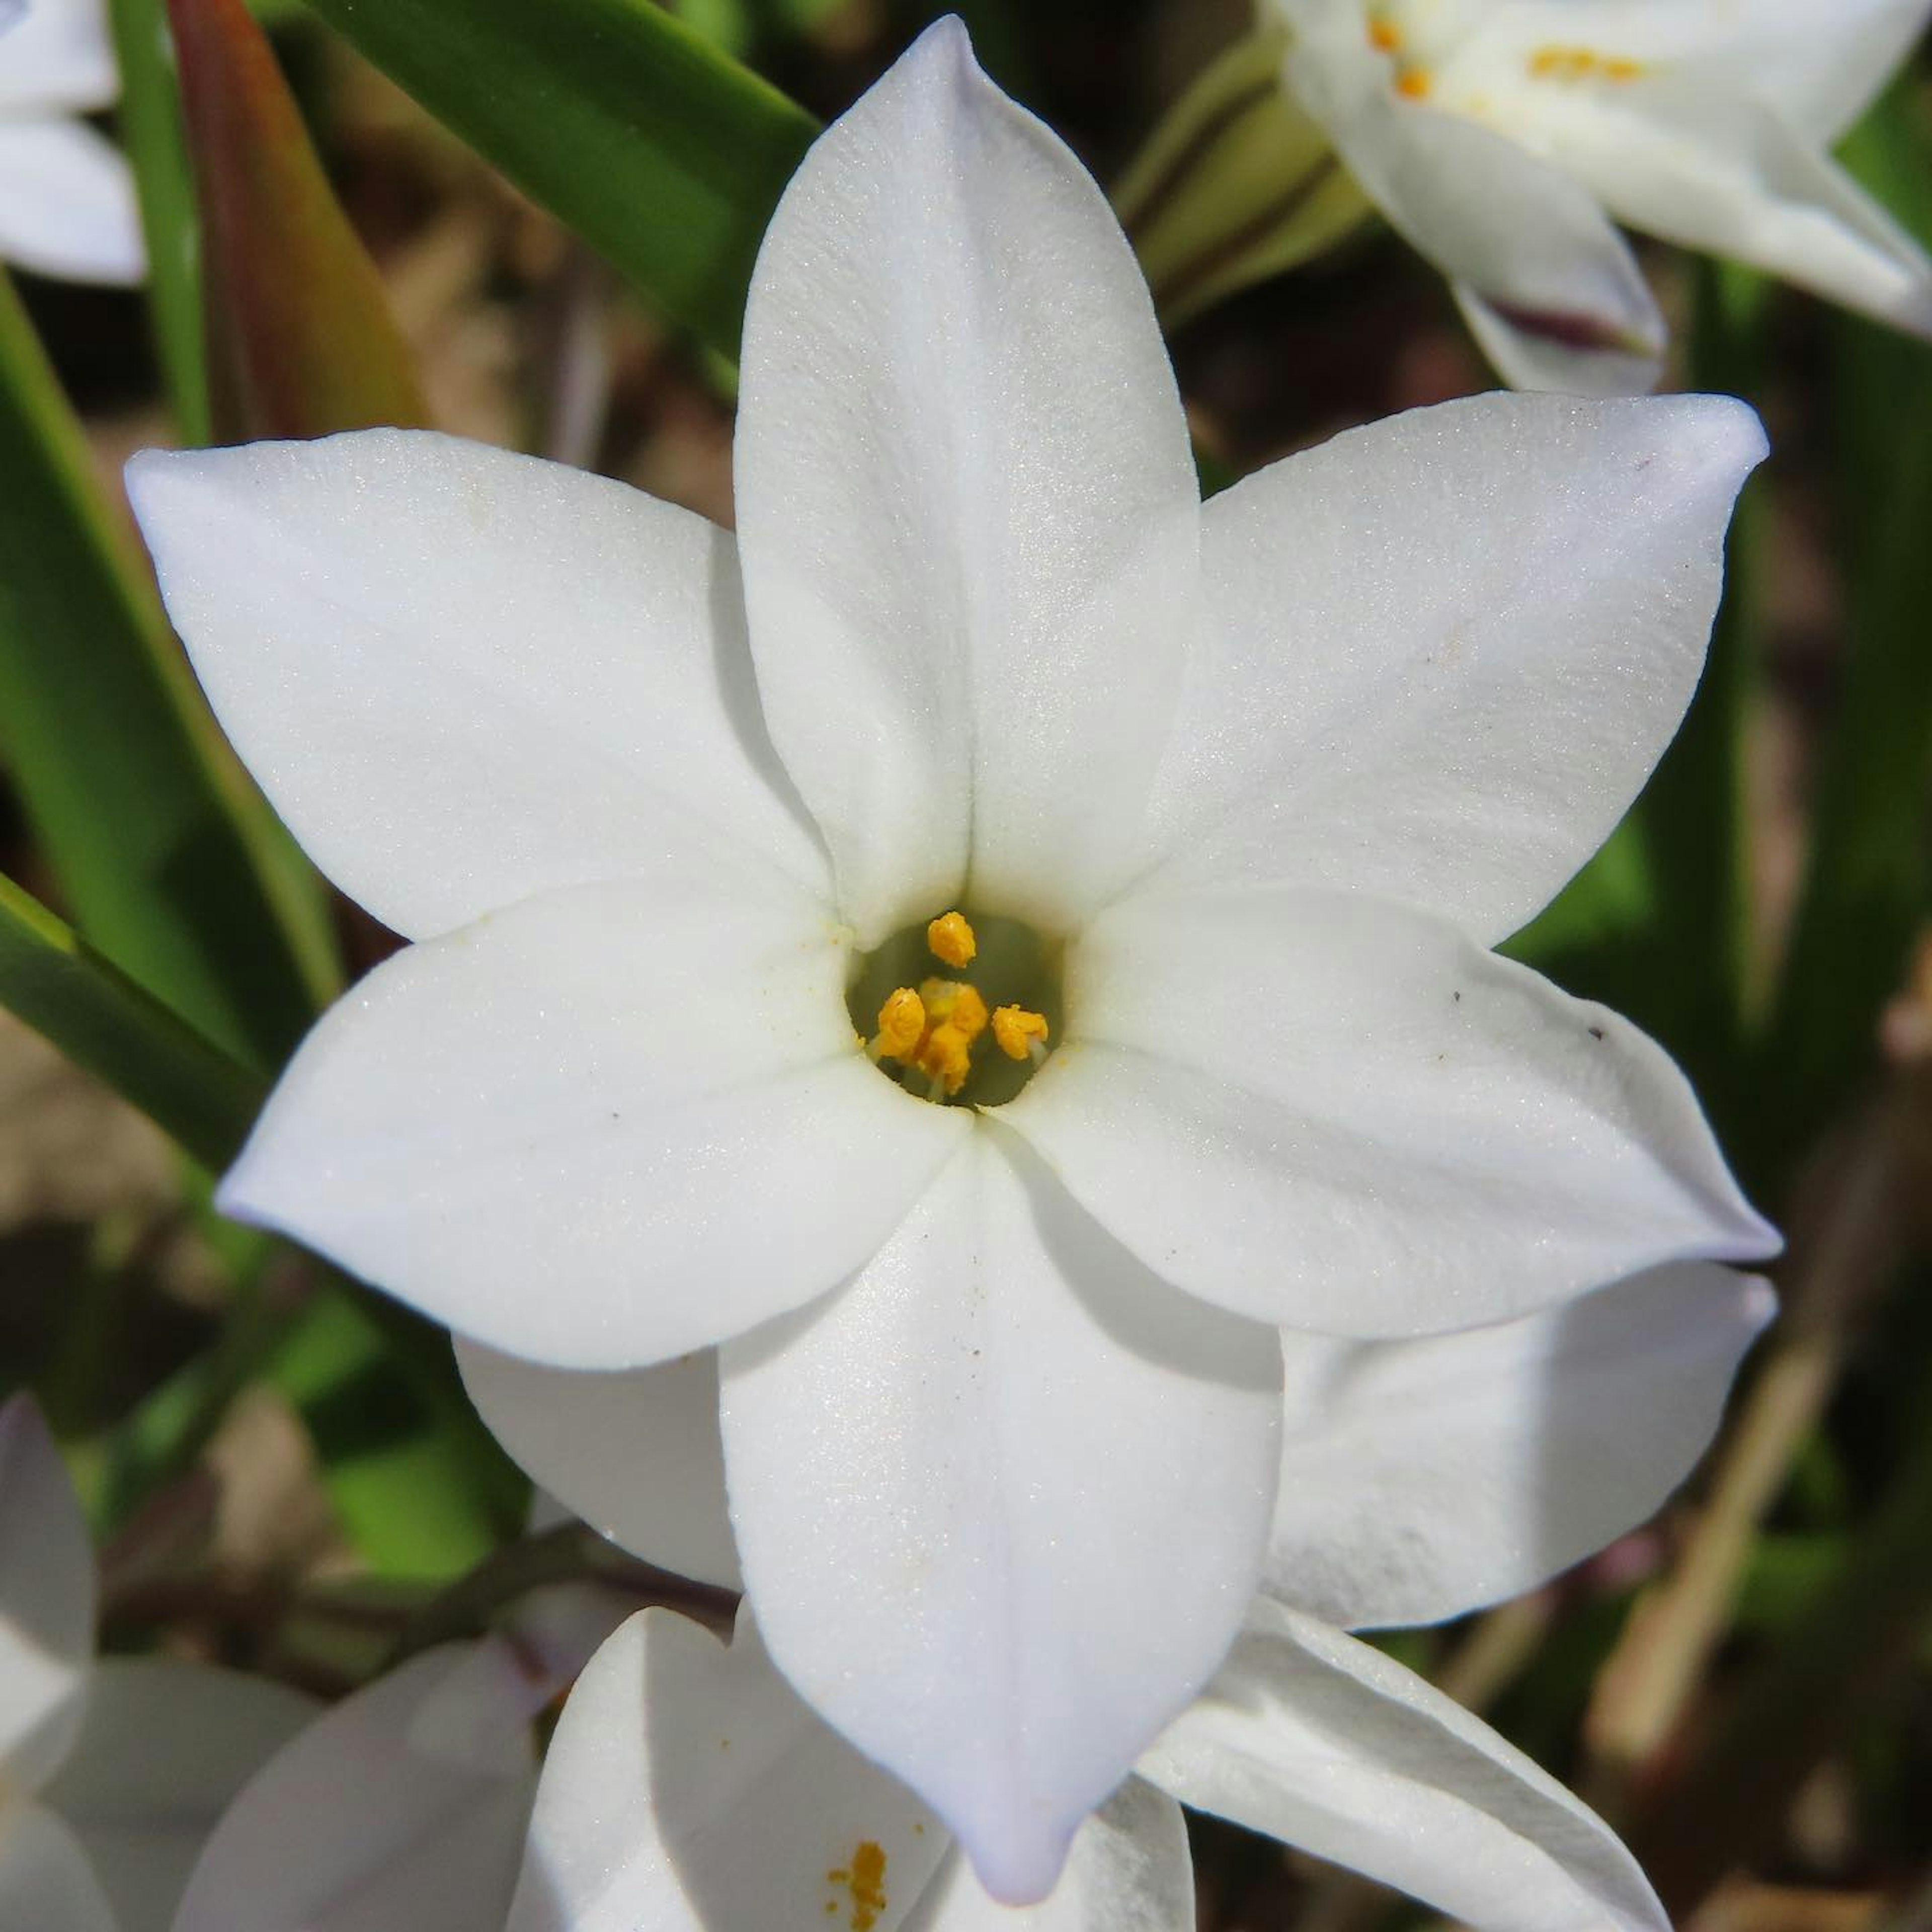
1384,36
1621,69
902,1022
956,1003
1021,1035
952,939
945,1056
1414,83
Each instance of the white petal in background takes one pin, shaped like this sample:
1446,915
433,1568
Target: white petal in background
635,1452
687,1789
1000,1503
47,1593
47,1884
55,56
1421,1480
606,1126
1445,651
1315,1738
967,509
164,1747
1337,1114
403,1809
66,200
463,676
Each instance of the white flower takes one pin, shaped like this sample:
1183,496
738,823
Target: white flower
688,1789
112,1771
66,197
1502,137
1237,799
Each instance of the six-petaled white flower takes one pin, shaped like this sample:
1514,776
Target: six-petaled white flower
114,1771
67,196
994,1218
1502,137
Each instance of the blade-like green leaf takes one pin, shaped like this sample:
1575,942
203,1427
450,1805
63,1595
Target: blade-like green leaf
657,148
151,125
300,338
169,861
102,1021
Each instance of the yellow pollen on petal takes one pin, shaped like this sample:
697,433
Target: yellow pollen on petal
952,939
902,1023
864,1879
1414,83
1384,36
1021,1035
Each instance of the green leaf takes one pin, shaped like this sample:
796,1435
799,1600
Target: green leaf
169,861
301,342
150,128
656,148
102,1021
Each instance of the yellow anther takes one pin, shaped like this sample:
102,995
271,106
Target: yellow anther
1414,83
946,1057
1021,1035
902,1022
1622,69
952,939
1384,36
954,1002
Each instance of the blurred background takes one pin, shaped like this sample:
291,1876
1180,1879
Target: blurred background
282,1469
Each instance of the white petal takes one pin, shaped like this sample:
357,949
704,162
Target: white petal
47,1592
1129,1871
1729,175
1533,245
463,677
999,1502
1316,1739
635,1453
1445,651
402,1810
966,507
57,55
607,1126
1420,1480
1821,65
163,1749
687,1789
1340,1114
66,202
46,1882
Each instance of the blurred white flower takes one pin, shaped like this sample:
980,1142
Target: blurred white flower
1234,801
687,1789
112,1771
67,196
1503,137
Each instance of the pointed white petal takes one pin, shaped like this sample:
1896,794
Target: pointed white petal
687,1789
46,1882
163,1749
999,1503
56,56
1340,1114
402,1810
1129,1871
1445,651
1532,245
1729,175
463,677
967,508
47,1592
1320,1741
66,202
635,1452
609,1125
1421,1480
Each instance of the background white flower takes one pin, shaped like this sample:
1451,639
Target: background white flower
113,1772
66,196
1502,137
1272,776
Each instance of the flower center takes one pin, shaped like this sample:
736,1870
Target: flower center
974,1033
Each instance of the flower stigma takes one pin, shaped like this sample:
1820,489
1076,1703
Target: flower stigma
940,1037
